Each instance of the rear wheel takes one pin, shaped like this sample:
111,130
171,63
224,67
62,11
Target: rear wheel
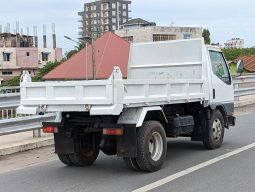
84,159
65,159
152,146
215,132
86,150
131,163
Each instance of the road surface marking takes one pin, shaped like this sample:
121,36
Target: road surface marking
193,169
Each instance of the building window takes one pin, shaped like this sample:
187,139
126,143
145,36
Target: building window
128,38
114,5
7,73
163,37
113,20
124,6
6,56
105,6
124,20
186,36
28,54
124,14
114,27
45,56
113,13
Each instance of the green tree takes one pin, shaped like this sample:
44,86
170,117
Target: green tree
232,54
206,35
71,53
15,81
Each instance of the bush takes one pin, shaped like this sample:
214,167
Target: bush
15,81
232,54
46,69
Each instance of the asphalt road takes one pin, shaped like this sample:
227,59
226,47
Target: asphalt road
234,173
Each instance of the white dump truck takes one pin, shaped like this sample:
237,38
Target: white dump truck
174,89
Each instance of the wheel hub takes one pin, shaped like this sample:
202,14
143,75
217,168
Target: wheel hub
217,129
155,146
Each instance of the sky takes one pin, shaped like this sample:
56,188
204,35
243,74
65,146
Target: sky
224,18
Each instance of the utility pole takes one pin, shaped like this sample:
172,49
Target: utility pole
93,56
86,59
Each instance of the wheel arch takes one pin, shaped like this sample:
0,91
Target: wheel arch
223,111
138,115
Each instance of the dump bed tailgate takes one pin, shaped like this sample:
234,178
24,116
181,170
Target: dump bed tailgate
67,93
65,96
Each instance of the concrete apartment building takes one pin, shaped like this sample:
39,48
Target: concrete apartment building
138,30
18,53
103,15
234,43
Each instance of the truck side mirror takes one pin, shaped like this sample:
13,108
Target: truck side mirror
240,67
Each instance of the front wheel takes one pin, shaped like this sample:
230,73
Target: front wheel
215,131
152,146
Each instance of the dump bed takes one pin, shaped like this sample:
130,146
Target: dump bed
158,74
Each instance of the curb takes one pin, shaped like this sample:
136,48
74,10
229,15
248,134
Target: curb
26,146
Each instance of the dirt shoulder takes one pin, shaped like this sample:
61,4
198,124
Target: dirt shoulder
245,110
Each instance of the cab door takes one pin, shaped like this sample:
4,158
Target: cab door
222,92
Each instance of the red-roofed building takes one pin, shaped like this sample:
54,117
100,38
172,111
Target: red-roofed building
110,51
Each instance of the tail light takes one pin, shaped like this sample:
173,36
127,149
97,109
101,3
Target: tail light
50,129
113,131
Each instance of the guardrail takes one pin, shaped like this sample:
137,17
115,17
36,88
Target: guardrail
9,101
244,88
23,124
9,97
8,90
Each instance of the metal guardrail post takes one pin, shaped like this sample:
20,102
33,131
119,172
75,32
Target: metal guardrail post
37,133
236,87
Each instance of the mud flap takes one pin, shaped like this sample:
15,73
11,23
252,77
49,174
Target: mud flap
127,143
63,143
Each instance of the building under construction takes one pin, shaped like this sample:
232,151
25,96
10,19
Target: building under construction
103,15
21,52
16,40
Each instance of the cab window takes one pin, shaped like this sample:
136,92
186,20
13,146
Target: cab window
219,66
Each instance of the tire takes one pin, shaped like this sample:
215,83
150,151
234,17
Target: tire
84,159
213,138
65,159
131,163
152,146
